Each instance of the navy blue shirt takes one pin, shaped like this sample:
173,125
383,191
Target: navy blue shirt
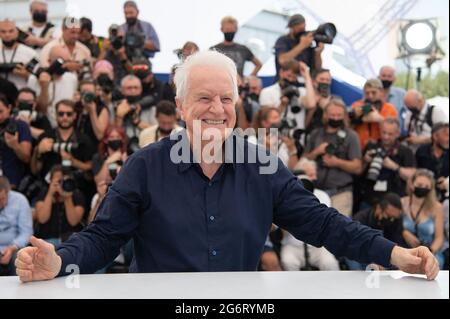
285,44
183,222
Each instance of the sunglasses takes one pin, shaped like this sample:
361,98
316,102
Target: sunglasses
61,114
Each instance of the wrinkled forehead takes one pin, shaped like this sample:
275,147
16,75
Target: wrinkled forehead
210,79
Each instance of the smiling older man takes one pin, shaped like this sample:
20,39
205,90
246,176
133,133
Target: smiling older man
198,215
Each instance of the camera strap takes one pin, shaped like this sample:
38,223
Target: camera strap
11,60
415,218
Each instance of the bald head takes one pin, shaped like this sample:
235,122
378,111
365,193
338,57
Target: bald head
8,31
59,52
414,100
387,76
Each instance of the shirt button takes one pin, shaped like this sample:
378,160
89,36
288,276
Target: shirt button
210,184
214,253
212,218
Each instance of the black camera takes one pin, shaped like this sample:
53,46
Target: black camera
10,128
31,66
288,128
113,169
325,33
105,83
8,67
292,93
88,97
68,183
115,39
85,73
23,36
55,68
30,187
134,45
376,165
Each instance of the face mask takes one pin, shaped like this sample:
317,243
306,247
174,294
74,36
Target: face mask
142,74
335,123
414,111
324,89
387,222
133,99
229,36
164,132
276,125
40,17
254,97
131,21
421,192
25,106
386,84
115,145
9,44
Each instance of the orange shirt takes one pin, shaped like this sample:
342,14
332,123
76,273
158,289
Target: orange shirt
371,131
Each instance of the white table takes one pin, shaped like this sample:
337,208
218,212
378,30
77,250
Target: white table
248,285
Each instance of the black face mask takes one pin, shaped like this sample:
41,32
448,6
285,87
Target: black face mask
40,16
421,192
335,123
386,223
25,106
324,89
386,84
132,21
133,99
415,112
115,145
229,36
286,83
254,97
164,132
9,44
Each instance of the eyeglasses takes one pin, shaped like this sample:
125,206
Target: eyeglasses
61,114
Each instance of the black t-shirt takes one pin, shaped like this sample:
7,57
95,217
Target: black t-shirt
41,122
58,226
388,180
316,121
237,52
392,230
83,123
285,44
426,159
83,152
159,91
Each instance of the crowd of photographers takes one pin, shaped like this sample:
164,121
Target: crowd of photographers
73,107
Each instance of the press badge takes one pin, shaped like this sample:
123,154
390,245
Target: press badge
381,186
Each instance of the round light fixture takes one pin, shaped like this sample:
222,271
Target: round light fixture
419,37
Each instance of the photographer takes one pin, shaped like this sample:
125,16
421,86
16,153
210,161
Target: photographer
14,56
135,26
420,119
287,94
59,209
40,31
26,105
129,112
423,219
366,115
16,225
92,114
237,52
78,52
387,164
86,37
112,154
63,144
54,83
297,44
434,157
248,103
336,150
384,215
15,144
322,89
166,116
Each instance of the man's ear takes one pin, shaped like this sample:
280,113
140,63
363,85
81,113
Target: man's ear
180,107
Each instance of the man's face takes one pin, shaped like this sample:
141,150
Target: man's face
85,36
442,137
8,31
65,116
288,75
372,94
389,134
132,88
387,74
71,35
57,177
335,112
3,198
296,29
254,87
209,101
88,87
131,13
39,7
5,112
228,27
324,77
392,212
166,122
26,97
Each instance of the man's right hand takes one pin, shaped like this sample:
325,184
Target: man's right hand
45,146
320,150
39,262
306,40
44,79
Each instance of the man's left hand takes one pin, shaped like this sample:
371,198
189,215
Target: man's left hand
7,254
330,160
419,260
390,164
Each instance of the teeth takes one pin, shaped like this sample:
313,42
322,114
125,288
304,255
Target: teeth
212,122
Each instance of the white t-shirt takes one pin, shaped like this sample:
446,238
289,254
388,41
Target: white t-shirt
22,54
60,89
271,96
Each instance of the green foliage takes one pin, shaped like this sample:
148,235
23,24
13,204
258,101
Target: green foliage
430,86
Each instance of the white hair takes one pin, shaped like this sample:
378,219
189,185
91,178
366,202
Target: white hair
127,78
204,58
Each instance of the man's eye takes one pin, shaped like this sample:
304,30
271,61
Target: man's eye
204,99
226,100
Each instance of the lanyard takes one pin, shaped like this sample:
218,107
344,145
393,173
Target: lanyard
11,60
415,218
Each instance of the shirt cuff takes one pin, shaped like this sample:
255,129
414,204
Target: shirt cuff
381,251
65,261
